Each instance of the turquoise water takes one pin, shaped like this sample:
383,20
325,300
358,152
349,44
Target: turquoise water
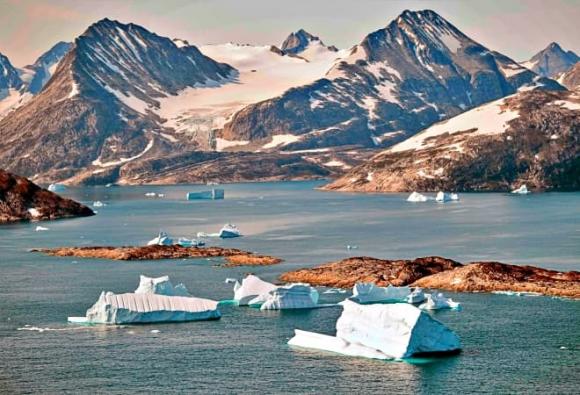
511,344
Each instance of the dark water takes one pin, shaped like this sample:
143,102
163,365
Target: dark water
511,344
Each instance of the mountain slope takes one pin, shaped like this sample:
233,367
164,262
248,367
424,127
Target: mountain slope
10,86
529,138
571,78
302,43
552,61
96,113
416,71
36,75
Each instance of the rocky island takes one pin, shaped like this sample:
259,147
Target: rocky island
441,273
233,256
23,200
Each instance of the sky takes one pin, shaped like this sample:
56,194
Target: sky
517,28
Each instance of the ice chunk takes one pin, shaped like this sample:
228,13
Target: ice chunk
160,286
182,241
417,296
437,302
162,239
40,228
523,190
398,330
251,287
230,280
147,308
214,194
443,197
56,188
417,197
98,203
351,247
370,293
292,296
229,231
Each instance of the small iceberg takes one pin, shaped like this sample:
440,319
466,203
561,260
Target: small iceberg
523,190
213,194
229,231
438,302
370,293
351,247
182,241
56,188
383,331
250,288
142,308
40,228
292,296
160,286
417,296
151,194
444,197
418,197
162,239
98,203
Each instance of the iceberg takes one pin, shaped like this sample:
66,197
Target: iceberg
523,190
162,239
292,296
40,228
443,197
98,203
417,197
213,194
229,231
141,308
182,241
383,331
438,302
56,188
370,293
251,287
160,286
417,296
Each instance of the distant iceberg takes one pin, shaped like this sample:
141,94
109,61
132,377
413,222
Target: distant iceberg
40,228
438,302
444,197
141,308
417,296
160,286
417,197
182,241
229,231
213,194
98,203
382,331
162,239
523,190
292,296
56,188
370,293
251,287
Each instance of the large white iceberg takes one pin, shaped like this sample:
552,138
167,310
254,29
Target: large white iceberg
443,197
384,331
370,293
438,302
251,287
141,308
417,197
292,296
523,190
160,286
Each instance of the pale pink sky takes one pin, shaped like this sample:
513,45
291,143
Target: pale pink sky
517,28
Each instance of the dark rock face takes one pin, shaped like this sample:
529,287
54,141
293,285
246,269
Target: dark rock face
41,69
347,272
537,146
93,115
552,61
297,42
18,195
9,77
398,80
571,78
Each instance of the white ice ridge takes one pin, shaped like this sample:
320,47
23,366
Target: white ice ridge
292,296
384,331
251,287
370,293
131,308
160,286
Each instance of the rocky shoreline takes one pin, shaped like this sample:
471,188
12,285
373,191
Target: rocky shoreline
441,273
233,256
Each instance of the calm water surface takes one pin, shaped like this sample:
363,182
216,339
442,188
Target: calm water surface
511,344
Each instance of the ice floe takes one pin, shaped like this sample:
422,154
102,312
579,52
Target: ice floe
382,331
438,301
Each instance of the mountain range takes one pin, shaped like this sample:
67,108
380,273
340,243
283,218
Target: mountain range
122,104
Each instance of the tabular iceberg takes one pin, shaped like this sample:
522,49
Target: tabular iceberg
292,296
383,331
438,302
417,197
141,308
160,286
370,293
251,287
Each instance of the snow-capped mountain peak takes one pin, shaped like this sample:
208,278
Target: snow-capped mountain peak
9,77
300,41
552,61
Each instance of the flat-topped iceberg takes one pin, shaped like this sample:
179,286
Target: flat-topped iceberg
523,190
292,296
384,331
141,308
417,197
370,293
162,239
438,302
443,197
251,287
160,286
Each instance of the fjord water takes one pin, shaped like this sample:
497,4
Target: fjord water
511,344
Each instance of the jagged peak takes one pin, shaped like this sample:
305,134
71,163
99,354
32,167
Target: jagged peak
297,41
